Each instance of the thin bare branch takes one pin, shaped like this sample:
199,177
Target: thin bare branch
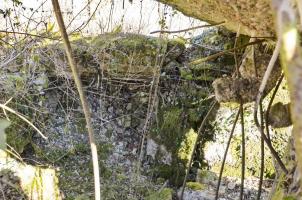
267,113
235,51
28,34
83,25
188,29
3,106
216,55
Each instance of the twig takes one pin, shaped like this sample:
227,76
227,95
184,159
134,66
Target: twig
268,132
14,153
235,51
201,128
28,34
268,72
16,56
70,22
242,151
7,43
267,113
264,37
32,14
272,150
3,106
269,144
226,152
213,56
4,111
83,99
261,156
187,29
152,100
83,25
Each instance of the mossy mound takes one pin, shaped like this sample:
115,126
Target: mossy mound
121,55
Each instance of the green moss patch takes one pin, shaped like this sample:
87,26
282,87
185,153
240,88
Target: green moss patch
195,186
164,194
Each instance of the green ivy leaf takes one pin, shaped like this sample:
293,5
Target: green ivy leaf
3,125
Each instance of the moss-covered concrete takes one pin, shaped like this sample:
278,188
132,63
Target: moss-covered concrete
119,55
176,130
187,145
209,42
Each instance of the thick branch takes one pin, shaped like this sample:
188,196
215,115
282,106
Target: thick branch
78,83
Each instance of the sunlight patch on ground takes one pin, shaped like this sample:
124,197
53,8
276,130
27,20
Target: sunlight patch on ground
36,183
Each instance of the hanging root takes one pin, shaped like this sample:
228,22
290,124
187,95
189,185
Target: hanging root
226,152
261,155
201,128
258,100
242,151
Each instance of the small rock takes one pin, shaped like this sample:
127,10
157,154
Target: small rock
166,156
42,80
196,195
127,121
222,190
129,106
134,151
119,121
128,162
279,115
231,185
110,109
119,130
151,148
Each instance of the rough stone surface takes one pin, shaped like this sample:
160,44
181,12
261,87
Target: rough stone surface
246,85
151,148
279,115
254,17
